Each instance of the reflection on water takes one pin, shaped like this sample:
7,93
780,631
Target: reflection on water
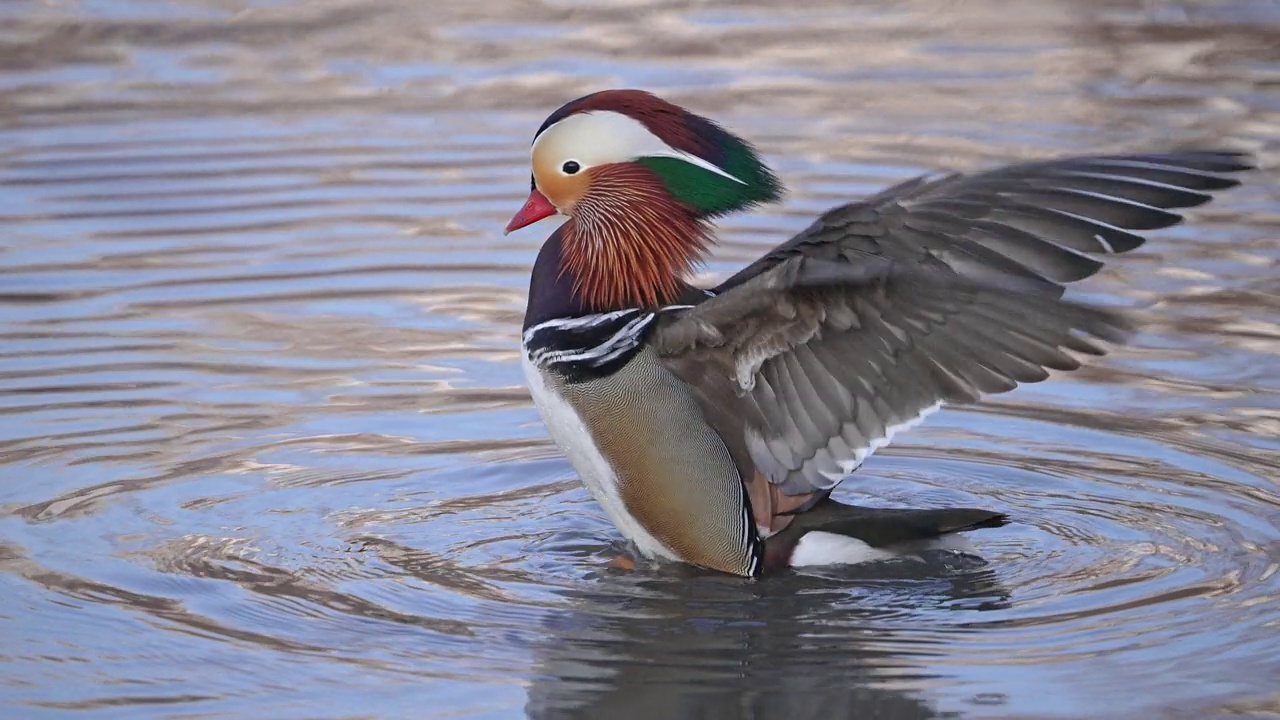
800,647
265,449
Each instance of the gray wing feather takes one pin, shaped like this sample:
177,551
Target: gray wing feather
826,394
937,290
1034,220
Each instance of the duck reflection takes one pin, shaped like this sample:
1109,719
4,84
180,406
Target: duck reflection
796,646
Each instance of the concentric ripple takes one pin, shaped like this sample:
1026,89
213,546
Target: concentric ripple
265,449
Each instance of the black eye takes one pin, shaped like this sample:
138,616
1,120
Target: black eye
570,167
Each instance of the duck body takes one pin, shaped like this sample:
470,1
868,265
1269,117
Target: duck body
633,429
712,424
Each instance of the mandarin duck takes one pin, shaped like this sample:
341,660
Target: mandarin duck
713,424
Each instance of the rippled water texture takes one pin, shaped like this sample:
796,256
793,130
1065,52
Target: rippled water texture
265,449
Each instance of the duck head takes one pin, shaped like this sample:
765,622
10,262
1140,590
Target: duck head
640,179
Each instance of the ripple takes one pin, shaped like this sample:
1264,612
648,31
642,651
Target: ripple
264,436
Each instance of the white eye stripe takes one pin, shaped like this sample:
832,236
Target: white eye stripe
695,160
602,137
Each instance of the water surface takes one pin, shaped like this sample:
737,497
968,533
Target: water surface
265,449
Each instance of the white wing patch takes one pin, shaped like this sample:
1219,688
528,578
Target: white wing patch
849,464
777,464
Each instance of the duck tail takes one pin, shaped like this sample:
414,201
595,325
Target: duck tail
833,533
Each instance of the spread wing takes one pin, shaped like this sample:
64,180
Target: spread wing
934,291
1040,221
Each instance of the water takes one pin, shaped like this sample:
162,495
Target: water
265,449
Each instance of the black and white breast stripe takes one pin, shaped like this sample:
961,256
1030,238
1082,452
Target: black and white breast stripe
752,545
588,345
